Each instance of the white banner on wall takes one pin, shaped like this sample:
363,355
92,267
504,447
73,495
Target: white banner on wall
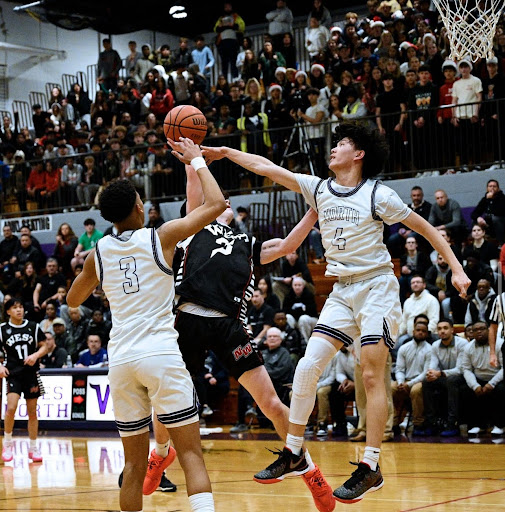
98,399
36,224
55,405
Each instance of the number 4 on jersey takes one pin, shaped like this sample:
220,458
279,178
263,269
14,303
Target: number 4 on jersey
338,241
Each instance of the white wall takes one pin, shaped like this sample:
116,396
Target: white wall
26,73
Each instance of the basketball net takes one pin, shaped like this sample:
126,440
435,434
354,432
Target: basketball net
471,25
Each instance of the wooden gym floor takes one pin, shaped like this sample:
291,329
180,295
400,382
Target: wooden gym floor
80,474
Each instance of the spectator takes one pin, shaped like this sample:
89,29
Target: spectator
23,287
52,197
87,242
132,58
414,358
438,282
320,12
330,89
98,325
60,334
242,225
265,286
477,270
211,384
36,184
108,66
230,28
389,120
444,115
420,301
443,381
288,50
324,387
313,117
55,96
181,84
419,206
154,216
300,308
25,230
56,356
91,181
269,61
485,386
278,363
47,324
26,252
250,67
182,54
7,249
468,89
316,37
456,248
490,211
202,55
422,100
95,355
47,286
342,390
412,262
487,251
291,338
71,178
162,100
260,316
77,333
446,213
246,44
39,118
354,108
291,267
480,305
144,64
280,21
165,58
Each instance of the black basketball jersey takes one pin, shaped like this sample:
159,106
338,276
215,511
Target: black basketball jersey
216,269
18,342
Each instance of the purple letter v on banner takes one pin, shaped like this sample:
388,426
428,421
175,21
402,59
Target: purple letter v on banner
102,404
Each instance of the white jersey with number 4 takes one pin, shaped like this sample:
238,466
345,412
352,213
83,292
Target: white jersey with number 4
140,287
351,223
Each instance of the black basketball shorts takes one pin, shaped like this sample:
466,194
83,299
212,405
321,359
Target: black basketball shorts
26,383
226,337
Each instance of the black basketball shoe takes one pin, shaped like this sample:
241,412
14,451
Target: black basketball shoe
362,481
287,464
166,485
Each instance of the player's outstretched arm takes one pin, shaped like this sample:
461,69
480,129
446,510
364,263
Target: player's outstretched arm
459,279
254,163
84,283
194,192
278,247
173,231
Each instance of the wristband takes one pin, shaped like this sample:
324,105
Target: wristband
198,162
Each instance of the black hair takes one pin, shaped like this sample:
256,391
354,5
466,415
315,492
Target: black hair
416,187
368,140
423,68
117,200
387,76
9,304
199,38
89,221
313,90
421,315
493,180
36,106
447,321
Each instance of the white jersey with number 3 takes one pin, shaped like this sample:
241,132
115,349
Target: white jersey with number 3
140,287
351,223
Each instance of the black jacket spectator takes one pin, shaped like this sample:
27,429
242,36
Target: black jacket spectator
305,304
492,206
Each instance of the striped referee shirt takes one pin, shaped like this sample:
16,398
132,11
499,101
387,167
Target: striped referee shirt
497,314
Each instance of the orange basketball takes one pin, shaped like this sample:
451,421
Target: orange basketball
185,121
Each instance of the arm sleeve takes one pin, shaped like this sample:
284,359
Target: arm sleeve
308,186
388,205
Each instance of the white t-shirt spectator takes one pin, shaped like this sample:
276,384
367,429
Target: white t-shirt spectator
315,131
466,91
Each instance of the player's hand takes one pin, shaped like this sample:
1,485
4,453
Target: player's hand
31,360
493,360
461,282
211,154
185,150
3,372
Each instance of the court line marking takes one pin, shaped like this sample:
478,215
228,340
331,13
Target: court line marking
455,500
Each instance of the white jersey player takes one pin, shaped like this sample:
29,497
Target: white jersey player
146,370
364,305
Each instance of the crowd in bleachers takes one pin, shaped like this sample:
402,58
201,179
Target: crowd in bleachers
393,60
380,66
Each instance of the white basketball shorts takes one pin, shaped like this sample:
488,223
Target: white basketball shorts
364,312
159,382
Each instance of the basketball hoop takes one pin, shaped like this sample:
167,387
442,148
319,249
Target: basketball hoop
471,25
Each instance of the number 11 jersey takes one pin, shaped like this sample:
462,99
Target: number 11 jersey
351,223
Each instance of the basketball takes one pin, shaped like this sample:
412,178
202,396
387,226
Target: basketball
185,121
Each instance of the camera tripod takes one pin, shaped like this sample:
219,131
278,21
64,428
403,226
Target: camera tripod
299,135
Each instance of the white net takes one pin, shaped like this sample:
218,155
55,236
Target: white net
471,25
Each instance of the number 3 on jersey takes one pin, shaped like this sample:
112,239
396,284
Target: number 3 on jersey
129,265
338,241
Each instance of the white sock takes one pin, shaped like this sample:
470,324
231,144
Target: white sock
202,502
294,443
7,438
308,458
371,457
33,444
162,449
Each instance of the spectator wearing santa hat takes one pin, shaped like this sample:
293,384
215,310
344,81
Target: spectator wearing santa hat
316,37
316,75
279,120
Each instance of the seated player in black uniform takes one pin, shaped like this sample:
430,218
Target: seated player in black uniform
23,343
214,283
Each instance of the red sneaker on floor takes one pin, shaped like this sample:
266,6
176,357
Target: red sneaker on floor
321,491
155,468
